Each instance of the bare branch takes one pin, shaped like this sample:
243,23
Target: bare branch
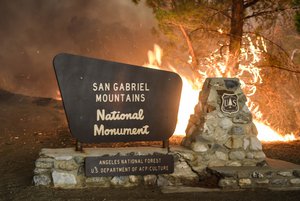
250,3
280,67
190,46
266,12
223,12
278,46
209,30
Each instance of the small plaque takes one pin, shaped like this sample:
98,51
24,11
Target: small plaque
107,101
128,165
230,103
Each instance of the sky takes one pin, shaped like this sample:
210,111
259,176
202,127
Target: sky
32,32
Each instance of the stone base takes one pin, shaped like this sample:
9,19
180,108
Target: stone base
64,168
278,174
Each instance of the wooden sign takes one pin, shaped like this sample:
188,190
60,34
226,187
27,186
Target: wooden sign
128,165
107,101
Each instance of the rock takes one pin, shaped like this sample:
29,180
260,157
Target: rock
285,173
212,97
81,171
41,171
237,155
223,172
66,165
296,173
188,155
255,144
220,135
150,180
63,179
269,174
245,182
254,130
198,107
63,158
225,123
243,174
279,182
227,183
44,163
210,108
249,155
41,180
221,155
234,143
246,144
162,181
79,159
246,110
242,118
237,130
249,163
257,175
135,179
233,163
199,147
220,114
216,163
259,155
98,181
295,181
262,182
119,180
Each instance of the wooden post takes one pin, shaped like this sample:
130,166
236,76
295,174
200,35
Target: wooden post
78,146
166,144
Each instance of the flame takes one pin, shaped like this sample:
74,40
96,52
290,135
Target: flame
58,96
267,134
215,66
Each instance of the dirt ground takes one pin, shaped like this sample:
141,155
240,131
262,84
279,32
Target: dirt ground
29,124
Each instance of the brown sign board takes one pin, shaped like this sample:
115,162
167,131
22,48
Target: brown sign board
107,101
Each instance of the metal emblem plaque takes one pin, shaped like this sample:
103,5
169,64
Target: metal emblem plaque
107,101
229,103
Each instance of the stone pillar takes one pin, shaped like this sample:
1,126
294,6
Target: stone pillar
221,130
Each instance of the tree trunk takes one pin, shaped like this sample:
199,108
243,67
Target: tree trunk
190,46
236,34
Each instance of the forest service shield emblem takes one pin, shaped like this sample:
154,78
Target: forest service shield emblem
229,103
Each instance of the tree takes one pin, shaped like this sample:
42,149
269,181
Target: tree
233,16
297,15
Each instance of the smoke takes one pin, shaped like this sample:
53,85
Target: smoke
32,32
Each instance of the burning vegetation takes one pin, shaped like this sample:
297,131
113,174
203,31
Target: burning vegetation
248,74
241,39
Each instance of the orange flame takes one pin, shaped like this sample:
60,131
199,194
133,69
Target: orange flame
58,96
215,66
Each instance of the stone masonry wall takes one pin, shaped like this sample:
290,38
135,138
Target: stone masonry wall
64,168
223,138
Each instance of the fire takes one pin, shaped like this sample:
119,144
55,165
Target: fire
215,66
267,134
58,96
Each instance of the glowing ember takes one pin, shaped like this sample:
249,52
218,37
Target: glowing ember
215,66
